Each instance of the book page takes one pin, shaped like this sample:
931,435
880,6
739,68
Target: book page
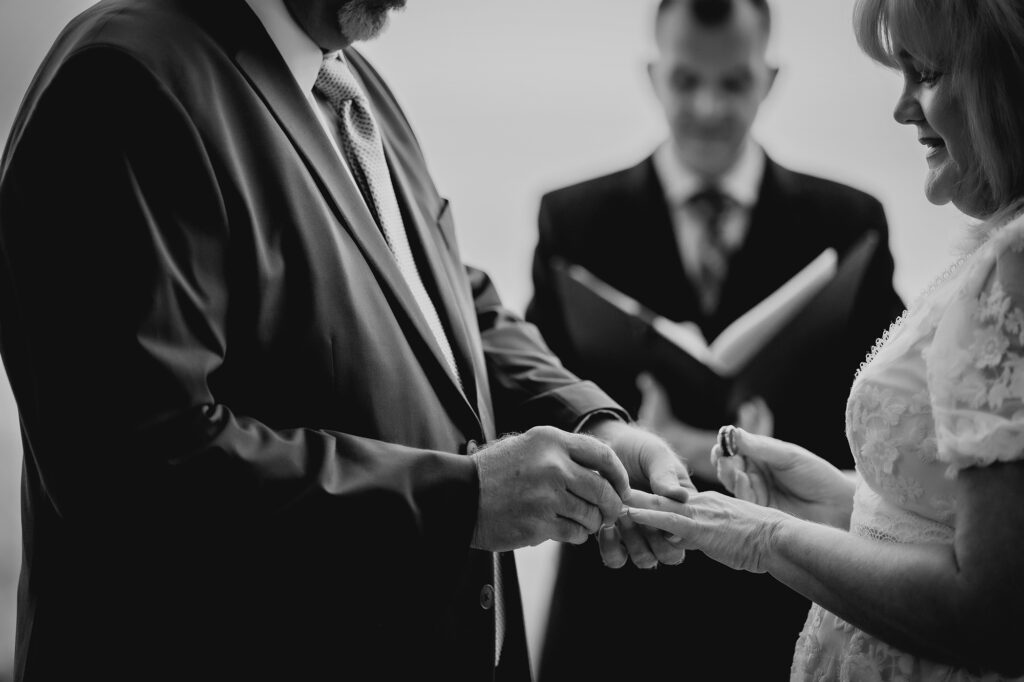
623,302
741,340
688,336
685,335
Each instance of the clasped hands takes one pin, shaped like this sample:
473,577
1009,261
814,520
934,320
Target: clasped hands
774,483
626,485
547,484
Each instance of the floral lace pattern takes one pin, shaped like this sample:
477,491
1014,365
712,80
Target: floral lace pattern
977,376
942,390
863,658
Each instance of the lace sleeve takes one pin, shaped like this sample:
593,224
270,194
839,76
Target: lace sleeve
976,361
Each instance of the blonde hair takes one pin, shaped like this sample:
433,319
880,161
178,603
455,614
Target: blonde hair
979,47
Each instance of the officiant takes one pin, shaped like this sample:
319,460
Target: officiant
701,230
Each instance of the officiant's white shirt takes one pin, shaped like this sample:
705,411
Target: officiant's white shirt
741,183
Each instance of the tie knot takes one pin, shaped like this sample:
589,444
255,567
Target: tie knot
336,82
710,202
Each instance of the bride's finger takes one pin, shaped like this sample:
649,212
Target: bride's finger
680,526
727,472
759,489
744,490
643,500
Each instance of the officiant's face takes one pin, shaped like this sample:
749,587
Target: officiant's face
710,76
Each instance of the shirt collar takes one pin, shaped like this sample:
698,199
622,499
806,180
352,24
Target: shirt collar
741,182
302,56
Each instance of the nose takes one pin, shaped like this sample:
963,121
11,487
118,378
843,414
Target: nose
908,109
707,103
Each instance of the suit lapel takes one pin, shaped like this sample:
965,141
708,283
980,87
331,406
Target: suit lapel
266,70
422,230
443,276
670,291
777,245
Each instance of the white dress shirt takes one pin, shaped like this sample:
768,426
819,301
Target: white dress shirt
303,58
741,184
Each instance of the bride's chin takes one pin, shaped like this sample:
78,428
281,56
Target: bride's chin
937,198
939,186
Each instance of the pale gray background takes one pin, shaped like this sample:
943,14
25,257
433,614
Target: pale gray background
514,97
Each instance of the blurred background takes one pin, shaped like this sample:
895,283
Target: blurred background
511,98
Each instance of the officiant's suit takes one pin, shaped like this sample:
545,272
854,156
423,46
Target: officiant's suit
245,454
619,226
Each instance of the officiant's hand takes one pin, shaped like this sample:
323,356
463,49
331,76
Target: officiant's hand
774,473
691,443
652,467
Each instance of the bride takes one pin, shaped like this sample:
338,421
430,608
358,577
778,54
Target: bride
915,564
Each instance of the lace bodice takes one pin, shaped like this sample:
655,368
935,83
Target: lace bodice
942,391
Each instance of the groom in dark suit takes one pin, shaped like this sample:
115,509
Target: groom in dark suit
702,230
259,392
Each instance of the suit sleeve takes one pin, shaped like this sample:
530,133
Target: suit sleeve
528,383
544,309
877,303
116,258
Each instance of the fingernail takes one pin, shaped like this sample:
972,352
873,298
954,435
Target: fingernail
675,539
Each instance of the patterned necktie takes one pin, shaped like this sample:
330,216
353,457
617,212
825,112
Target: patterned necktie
364,150
361,143
710,205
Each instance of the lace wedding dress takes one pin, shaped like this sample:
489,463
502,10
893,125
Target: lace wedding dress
942,390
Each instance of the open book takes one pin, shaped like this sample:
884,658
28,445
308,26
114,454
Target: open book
752,356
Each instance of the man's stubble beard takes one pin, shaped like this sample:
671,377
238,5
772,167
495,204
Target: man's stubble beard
360,20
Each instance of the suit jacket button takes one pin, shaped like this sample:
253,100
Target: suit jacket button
486,597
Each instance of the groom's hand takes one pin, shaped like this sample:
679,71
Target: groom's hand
652,467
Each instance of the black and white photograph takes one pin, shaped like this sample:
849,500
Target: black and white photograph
496,341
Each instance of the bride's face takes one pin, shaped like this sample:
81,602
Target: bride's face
928,104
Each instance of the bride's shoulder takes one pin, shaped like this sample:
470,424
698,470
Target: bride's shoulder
994,250
1009,236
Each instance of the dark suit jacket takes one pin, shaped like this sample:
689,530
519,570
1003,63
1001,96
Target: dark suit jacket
619,227
244,452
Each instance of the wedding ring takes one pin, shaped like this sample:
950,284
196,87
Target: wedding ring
727,440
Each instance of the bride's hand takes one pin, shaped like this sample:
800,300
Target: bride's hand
774,473
731,531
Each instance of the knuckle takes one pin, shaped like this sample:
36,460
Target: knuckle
552,469
607,495
543,432
573,505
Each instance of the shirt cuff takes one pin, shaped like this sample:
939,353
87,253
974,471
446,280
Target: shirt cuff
587,418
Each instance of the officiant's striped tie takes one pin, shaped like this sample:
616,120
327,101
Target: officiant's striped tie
711,206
